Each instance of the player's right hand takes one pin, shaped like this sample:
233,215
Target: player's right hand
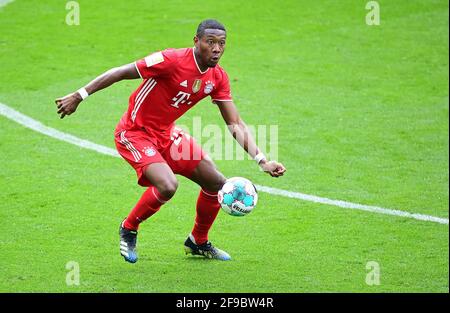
68,104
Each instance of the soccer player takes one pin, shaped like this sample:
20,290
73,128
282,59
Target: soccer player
174,80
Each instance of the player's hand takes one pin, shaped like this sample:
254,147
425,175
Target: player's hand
273,168
68,104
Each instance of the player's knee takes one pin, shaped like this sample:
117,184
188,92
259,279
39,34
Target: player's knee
217,184
168,188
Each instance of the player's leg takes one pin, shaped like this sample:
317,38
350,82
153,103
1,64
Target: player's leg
162,185
207,176
188,159
210,180
153,172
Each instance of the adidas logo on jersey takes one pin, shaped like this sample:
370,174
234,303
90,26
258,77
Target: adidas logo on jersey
183,83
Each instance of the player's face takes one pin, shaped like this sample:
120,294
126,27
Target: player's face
211,46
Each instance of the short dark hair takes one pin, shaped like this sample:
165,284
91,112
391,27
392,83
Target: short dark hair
209,24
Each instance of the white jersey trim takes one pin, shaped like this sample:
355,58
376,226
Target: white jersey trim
137,69
142,94
195,60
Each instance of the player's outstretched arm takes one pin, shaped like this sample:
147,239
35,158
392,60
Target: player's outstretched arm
69,104
243,136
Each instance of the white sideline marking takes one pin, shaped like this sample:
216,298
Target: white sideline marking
39,127
5,2
350,205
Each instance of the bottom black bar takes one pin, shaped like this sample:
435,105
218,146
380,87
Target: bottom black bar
226,302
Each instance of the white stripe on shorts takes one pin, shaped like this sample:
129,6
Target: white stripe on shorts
123,140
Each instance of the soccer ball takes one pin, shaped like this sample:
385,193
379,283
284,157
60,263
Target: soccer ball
238,196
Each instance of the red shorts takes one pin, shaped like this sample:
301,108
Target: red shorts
141,148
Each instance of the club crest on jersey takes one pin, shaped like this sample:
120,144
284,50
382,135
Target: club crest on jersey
208,87
196,86
149,151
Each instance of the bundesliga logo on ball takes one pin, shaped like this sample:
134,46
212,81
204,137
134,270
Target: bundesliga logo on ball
238,196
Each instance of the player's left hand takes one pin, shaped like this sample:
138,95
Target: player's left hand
273,168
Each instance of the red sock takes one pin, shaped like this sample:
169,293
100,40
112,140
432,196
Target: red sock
148,204
207,209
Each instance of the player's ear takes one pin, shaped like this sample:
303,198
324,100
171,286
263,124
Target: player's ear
196,40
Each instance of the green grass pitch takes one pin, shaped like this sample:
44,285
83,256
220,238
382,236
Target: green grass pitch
362,114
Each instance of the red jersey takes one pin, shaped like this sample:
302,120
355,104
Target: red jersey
172,84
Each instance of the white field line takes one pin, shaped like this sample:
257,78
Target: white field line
39,127
350,205
5,2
